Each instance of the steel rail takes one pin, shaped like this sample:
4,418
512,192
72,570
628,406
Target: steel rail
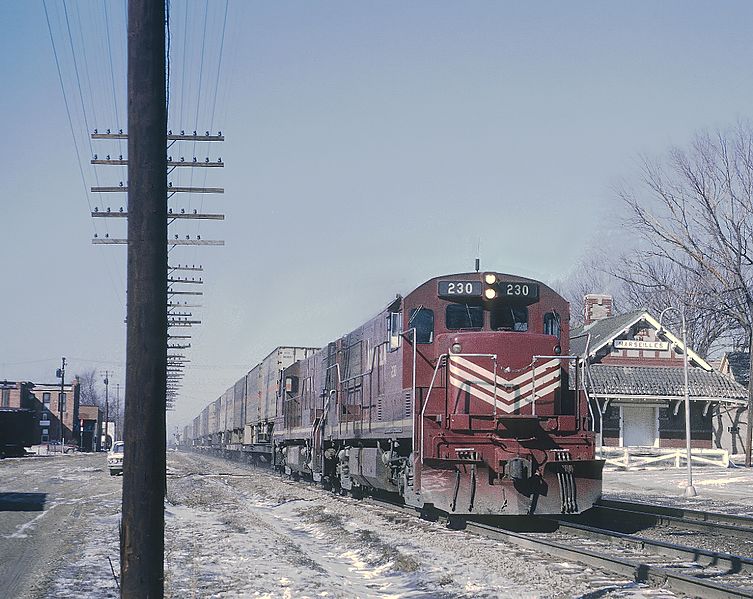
733,563
685,514
734,530
640,571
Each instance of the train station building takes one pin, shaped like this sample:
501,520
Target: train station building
633,374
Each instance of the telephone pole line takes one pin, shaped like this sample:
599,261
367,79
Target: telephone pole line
107,408
61,403
142,542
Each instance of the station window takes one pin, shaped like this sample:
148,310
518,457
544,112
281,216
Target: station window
464,316
46,398
509,317
552,324
5,402
422,319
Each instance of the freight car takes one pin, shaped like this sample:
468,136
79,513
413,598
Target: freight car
459,397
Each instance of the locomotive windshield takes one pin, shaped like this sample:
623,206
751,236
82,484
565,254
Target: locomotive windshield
509,317
464,316
503,316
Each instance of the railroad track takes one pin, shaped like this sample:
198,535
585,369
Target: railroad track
687,570
740,527
704,582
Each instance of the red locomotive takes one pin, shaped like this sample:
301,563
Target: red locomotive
457,397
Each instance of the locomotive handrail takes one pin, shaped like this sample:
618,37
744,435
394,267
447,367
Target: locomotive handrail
431,386
363,374
533,376
413,388
586,380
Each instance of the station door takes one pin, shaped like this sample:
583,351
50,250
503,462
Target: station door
639,426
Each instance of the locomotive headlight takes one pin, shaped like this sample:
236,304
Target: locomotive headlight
456,348
490,278
490,293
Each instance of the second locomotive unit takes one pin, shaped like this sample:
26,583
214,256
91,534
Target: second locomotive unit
460,397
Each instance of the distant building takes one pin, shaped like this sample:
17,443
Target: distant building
635,382
16,394
49,404
58,409
91,427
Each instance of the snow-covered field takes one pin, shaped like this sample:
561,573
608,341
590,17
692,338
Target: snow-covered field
234,531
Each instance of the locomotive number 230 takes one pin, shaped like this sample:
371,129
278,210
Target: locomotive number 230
528,291
462,288
516,289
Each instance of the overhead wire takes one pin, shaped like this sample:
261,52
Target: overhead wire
73,130
214,106
215,93
112,74
65,102
198,99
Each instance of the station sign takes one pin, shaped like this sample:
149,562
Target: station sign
640,344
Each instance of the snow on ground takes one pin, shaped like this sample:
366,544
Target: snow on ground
718,489
252,534
233,531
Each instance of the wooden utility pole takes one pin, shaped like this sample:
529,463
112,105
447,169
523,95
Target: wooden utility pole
61,404
108,445
142,544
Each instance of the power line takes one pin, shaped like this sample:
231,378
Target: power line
71,127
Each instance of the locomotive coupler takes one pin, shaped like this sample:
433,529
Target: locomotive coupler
519,469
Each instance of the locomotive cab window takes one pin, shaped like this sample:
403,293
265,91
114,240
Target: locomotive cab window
395,325
464,316
422,319
552,324
509,317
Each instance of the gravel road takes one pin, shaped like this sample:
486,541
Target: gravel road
50,510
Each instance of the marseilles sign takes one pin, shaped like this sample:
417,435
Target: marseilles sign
636,344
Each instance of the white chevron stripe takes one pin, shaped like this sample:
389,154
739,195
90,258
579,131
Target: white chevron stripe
456,374
501,380
539,394
505,407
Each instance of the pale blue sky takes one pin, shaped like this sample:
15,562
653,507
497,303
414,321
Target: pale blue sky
369,147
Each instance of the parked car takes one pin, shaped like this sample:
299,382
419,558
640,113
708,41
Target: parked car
115,458
58,447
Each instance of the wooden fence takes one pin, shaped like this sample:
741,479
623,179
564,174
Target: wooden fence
628,458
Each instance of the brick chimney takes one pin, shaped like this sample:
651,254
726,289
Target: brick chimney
597,306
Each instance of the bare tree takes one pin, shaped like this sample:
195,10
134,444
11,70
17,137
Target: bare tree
90,392
651,285
694,212
591,275
655,284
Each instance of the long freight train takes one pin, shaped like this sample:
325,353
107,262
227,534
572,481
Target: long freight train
459,397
